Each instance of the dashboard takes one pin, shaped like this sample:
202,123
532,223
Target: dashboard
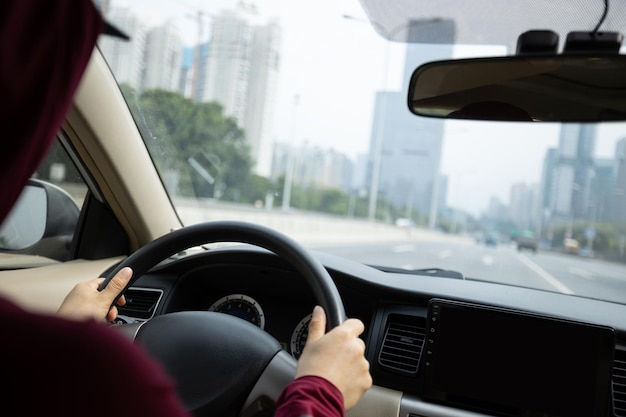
450,347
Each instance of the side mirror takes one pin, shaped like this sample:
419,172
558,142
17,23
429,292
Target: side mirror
42,222
551,88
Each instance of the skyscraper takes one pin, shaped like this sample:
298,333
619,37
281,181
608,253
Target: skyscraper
125,58
163,58
573,173
228,61
241,73
262,87
619,204
406,147
602,191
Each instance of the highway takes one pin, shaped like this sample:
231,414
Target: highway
387,245
551,271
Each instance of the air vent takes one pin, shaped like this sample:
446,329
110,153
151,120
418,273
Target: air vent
140,302
402,347
619,383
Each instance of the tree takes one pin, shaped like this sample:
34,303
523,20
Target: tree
253,189
205,149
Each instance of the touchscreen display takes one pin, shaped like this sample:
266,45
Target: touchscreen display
515,363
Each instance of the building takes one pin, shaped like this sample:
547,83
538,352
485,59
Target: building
547,178
602,191
103,6
186,73
405,150
260,98
313,166
524,206
163,58
193,75
240,43
572,175
496,211
619,198
229,61
125,58
359,173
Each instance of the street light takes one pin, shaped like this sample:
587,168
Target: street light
291,158
377,147
378,137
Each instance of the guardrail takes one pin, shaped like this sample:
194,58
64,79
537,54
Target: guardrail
310,229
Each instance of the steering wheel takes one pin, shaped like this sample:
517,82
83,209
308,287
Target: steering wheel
223,365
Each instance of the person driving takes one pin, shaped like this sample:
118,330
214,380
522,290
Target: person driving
70,364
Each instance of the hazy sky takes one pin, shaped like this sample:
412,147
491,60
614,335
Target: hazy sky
326,56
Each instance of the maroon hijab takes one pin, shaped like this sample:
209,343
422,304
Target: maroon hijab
44,49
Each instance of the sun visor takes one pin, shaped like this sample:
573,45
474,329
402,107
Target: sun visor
485,22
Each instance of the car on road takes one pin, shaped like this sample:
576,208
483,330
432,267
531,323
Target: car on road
527,240
254,159
491,240
571,246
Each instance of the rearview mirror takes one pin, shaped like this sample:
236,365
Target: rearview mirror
563,88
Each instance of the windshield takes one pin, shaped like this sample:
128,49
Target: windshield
294,115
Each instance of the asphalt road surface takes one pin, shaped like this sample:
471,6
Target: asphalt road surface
567,274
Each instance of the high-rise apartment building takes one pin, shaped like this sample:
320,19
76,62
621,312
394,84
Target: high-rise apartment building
262,87
229,61
241,73
163,58
103,6
126,59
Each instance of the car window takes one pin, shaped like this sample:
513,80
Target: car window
251,112
58,168
40,228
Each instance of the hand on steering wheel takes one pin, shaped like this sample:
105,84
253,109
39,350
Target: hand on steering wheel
215,358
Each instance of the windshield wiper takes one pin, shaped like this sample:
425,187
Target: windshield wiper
434,272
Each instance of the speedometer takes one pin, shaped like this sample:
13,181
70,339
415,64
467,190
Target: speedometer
242,306
299,336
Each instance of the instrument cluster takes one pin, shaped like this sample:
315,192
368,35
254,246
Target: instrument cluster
247,308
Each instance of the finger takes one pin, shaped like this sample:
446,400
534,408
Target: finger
317,326
354,327
118,283
112,314
121,301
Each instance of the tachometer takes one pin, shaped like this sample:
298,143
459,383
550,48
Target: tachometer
242,306
299,336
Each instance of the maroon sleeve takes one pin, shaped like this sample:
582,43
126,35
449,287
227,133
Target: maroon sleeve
67,368
310,396
44,49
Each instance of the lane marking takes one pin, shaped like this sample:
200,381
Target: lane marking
544,274
445,254
487,260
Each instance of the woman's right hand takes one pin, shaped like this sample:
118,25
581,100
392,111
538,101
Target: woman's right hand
337,356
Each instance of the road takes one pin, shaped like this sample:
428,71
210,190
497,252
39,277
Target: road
377,243
551,271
